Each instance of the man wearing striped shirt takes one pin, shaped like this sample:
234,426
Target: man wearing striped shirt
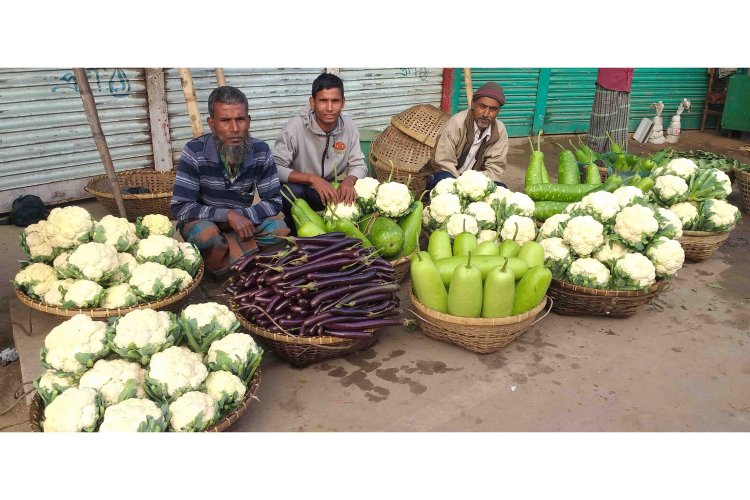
216,183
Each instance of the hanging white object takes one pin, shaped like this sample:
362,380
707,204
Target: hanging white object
657,131
673,132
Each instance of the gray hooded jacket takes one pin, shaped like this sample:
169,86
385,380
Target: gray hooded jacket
301,147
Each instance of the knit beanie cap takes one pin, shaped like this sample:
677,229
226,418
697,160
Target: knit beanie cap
491,90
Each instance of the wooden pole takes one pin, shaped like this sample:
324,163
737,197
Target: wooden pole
220,80
89,106
467,84
192,102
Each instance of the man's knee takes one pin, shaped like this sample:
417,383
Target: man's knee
205,235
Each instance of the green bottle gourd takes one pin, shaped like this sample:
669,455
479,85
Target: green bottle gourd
427,284
499,291
465,292
439,245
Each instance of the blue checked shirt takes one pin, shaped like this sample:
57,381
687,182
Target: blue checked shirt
203,189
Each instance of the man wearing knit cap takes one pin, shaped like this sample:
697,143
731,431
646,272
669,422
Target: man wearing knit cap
473,139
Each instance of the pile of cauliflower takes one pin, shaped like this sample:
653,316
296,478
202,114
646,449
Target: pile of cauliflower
696,195
613,241
474,203
77,262
138,374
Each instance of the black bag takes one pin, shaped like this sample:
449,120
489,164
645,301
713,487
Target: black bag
27,209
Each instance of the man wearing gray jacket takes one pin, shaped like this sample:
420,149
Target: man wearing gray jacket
314,143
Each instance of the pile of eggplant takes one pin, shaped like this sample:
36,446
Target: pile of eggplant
326,285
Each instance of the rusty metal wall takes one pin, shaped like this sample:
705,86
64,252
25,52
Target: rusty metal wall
45,137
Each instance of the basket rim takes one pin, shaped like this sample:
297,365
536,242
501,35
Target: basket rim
36,408
657,286
457,320
289,339
100,313
127,196
699,234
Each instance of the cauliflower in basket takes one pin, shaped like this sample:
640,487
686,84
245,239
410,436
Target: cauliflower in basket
500,193
518,204
191,258
583,234
393,199
83,294
118,296
335,211
601,205
173,372
443,206
60,263
134,415
127,266
116,380
666,255
683,168
51,384
152,281
116,231
141,333
226,389
460,223
68,227
518,228
553,226
483,213
366,189
723,179
633,271
630,195
184,278
610,252
487,235
93,261
718,216
557,256
588,272
444,186
35,278
237,353
35,244
74,345
193,412
669,189
159,248
636,225
153,224
75,410
56,291
473,185
204,323
687,212
670,224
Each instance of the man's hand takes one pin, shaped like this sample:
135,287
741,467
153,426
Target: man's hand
241,225
346,191
324,189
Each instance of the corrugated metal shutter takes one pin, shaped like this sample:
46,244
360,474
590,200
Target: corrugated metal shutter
46,137
520,87
569,100
669,85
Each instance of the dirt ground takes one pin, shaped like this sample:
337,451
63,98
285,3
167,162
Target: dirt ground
681,364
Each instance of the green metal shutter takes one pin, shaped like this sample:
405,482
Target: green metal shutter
569,100
520,86
669,85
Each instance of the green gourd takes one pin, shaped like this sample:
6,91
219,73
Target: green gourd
532,253
464,243
427,283
509,248
465,291
531,289
499,290
439,245
488,248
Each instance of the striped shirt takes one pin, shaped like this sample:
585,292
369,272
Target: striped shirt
204,191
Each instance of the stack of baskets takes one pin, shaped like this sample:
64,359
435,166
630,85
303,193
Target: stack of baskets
408,143
156,186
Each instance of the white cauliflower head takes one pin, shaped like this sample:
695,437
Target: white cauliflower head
366,189
687,212
443,206
487,235
518,228
174,371
35,244
74,345
75,410
670,224
134,415
483,213
499,194
127,266
56,291
93,261
118,296
633,271
153,224
601,205
60,263
191,258
184,278
393,199
557,256
192,412
142,332
681,167
335,211
519,204
444,186
583,234
116,380
153,281
666,255
83,294
589,272
610,252
204,323
68,227
636,225
553,227
51,384
116,231
225,388
159,248
460,223
237,353
474,185
718,216
630,195
35,279
723,179
669,189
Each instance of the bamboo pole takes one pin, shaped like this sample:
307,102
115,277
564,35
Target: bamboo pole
220,80
192,102
89,106
467,84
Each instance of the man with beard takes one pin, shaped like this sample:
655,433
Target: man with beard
473,139
215,186
314,143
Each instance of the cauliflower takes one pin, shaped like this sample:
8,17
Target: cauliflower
718,216
366,189
204,323
35,244
237,353
191,258
92,261
60,263
193,412
487,235
335,211
575,209
583,234
723,179
499,194
460,223
74,410
184,278
153,224
427,221
633,271
393,199
444,186
670,224
636,225
173,372
666,255
680,167
127,266
443,206
601,205
553,226
518,228
116,380
51,384
610,252
141,333
159,248
483,213
687,212
630,195
83,294
557,257
35,279
73,346
68,227
134,415
589,272
517,204
56,291
153,281
226,389
118,296
473,185
116,231
669,189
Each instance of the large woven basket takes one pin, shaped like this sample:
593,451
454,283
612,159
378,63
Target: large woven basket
156,201
700,245
409,157
303,351
422,122
574,300
100,313
483,335
36,410
401,268
743,182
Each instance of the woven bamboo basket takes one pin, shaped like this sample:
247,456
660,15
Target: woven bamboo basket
159,185
401,268
422,122
36,410
574,300
482,335
743,182
409,157
700,245
303,351
100,313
